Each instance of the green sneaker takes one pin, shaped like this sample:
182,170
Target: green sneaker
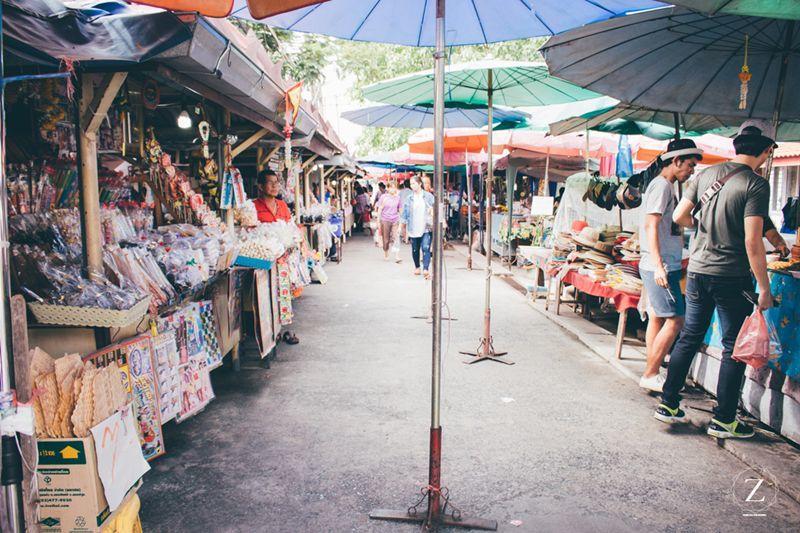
669,415
733,430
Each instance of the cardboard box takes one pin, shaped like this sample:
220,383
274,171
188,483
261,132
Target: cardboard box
70,491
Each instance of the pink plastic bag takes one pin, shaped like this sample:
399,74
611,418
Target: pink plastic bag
757,342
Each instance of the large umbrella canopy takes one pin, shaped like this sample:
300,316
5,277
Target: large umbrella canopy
411,22
418,117
777,9
679,60
514,84
662,122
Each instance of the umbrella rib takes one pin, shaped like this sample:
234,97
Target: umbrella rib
480,22
422,22
364,20
592,2
761,86
296,22
547,26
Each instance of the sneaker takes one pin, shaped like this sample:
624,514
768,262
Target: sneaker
733,430
669,415
653,383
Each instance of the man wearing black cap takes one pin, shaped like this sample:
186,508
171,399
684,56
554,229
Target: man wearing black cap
727,205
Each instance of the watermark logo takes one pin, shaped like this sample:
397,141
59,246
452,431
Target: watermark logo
754,493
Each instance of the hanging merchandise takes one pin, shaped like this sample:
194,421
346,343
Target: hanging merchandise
172,187
291,102
233,194
744,76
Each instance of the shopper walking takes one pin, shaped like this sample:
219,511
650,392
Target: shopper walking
389,207
361,207
417,225
662,253
727,205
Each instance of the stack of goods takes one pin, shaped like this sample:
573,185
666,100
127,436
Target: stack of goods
594,252
629,249
789,266
315,213
246,215
73,396
286,232
624,278
37,189
114,186
116,226
261,243
137,266
48,270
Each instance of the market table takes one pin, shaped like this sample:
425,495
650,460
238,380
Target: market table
623,301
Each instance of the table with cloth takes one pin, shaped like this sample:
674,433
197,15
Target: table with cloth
623,301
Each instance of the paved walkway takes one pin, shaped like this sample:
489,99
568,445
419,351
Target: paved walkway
339,425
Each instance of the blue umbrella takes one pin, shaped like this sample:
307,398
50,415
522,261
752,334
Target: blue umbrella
412,22
417,117
422,23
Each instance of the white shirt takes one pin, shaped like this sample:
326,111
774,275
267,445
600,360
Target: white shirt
416,226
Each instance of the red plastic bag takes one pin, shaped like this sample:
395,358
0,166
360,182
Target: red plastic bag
757,342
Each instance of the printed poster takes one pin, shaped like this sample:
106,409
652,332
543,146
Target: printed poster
134,359
120,463
167,360
262,305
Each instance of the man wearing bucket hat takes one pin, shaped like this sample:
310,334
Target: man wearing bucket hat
727,205
662,252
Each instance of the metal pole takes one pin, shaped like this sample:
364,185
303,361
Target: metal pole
469,213
545,188
12,484
434,467
776,113
511,181
487,311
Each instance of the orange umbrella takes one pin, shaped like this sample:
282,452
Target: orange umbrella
459,140
259,9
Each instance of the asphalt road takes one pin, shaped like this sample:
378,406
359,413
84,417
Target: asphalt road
339,426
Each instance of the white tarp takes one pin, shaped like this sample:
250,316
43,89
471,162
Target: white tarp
573,207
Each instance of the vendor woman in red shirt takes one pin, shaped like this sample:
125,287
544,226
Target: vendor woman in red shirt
271,209
268,206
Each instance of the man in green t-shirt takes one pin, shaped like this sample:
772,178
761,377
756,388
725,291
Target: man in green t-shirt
727,205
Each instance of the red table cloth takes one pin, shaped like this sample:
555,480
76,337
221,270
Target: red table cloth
622,300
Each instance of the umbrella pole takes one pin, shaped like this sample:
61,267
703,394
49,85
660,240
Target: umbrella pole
485,349
439,511
469,213
776,113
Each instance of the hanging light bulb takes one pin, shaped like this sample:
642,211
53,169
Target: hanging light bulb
184,120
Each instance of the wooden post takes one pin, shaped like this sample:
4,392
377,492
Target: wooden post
92,109
623,321
24,388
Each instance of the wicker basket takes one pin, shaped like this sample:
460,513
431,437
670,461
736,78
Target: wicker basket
67,315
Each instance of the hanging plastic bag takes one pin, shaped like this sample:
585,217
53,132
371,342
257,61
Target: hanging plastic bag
757,342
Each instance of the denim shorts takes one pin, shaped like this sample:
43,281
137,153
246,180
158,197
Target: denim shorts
664,302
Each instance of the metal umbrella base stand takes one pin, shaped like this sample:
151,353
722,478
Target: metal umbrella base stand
439,511
485,352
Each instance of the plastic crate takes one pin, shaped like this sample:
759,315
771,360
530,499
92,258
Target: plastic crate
252,262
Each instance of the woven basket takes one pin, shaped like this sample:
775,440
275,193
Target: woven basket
67,315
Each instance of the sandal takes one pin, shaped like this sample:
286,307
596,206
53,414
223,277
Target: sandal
290,338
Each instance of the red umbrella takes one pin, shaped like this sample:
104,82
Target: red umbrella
259,9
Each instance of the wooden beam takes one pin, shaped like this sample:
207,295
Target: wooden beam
327,173
308,162
101,101
263,161
247,143
91,236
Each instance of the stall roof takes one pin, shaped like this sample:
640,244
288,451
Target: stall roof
111,31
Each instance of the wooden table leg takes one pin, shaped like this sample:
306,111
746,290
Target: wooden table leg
547,295
559,287
623,320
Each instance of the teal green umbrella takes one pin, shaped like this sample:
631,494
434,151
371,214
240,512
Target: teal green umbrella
513,84
775,9
489,83
625,118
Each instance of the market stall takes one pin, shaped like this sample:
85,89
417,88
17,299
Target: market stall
137,259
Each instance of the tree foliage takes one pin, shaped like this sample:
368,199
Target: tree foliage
306,56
